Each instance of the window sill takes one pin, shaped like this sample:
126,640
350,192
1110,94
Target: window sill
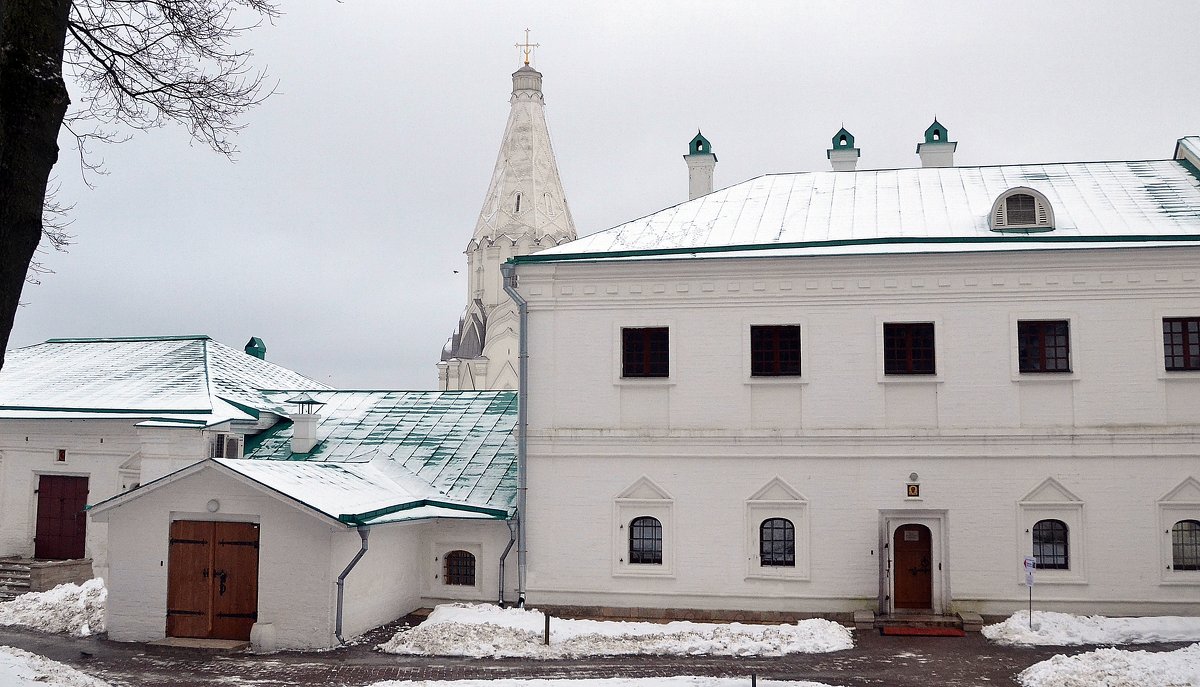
1179,375
1182,582
910,379
630,570
781,380
791,576
1042,579
1045,377
643,381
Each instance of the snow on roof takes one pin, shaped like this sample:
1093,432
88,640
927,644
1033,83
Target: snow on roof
170,377
459,445
834,213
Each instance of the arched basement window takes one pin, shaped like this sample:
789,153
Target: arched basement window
1185,545
460,568
1050,548
645,541
777,543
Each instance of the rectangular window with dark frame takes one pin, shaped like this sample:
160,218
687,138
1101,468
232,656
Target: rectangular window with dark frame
1043,346
1181,343
775,350
645,352
908,348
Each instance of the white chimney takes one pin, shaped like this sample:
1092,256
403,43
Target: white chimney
843,156
304,423
938,149
701,163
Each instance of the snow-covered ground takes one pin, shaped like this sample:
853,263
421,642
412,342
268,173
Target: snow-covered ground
22,669
1117,668
609,682
68,608
1063,629
482,630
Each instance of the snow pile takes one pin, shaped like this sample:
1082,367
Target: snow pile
482,630
1117,668
606,682
1061,629
22,669
68,608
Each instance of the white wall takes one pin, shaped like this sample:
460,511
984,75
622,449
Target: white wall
485,539
295,590
1118,432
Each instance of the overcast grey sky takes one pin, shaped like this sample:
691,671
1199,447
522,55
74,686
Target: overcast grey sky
335,234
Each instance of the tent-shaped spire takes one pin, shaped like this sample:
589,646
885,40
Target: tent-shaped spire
525,197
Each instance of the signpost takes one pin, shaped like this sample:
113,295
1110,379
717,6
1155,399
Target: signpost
1030,566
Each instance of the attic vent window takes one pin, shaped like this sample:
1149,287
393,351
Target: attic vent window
1022,210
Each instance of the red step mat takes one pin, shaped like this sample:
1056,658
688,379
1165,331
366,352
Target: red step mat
923,631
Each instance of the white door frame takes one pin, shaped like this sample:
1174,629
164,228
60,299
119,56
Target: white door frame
938,522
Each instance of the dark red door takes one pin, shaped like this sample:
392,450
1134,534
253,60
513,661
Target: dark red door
212,579
912,548
61,519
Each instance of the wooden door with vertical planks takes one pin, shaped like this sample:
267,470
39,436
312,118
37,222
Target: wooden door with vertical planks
212,579
61,532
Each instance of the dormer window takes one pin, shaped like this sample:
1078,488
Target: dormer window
1022,210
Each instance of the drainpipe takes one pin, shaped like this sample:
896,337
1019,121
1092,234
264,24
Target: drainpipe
364,531
508,269
512,537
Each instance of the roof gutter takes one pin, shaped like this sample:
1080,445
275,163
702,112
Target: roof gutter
509,270
364,532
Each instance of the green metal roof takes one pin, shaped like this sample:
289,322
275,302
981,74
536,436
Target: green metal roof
461,443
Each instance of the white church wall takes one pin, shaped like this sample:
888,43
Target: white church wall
386,582
96,449
1117,431
295,590
484,539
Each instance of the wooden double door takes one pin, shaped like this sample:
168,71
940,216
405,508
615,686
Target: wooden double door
61,531
212,579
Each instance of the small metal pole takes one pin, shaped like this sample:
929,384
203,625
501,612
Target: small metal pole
753,680
547,629
1031,608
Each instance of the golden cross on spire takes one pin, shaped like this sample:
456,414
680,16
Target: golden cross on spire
527,47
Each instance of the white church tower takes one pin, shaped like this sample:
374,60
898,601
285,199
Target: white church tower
524,211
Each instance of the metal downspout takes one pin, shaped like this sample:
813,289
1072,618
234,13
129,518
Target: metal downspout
508,269
364,531
512,537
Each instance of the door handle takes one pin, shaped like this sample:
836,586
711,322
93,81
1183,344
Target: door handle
204,574
223,575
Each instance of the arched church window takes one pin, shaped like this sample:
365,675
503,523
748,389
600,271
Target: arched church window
1050,547
645,541
777,543
460,568
1185,545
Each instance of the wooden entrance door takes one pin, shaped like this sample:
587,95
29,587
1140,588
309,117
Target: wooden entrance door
912,571
212,579
61,519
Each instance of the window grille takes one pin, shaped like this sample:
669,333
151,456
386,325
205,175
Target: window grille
1185,545
774,351
908,348
1181,343
459,568
645,541
645,352
777,543
1050,549
1043,346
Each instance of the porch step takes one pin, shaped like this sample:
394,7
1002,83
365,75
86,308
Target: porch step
14,579
921,625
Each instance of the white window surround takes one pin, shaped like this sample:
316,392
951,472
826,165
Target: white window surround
637,322
747,378
938,358
1181,503
642,498
1043,212
1160,353
1050,500
777,500
438,551
1014,347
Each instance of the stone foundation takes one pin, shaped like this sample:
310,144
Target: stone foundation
44,575
693,614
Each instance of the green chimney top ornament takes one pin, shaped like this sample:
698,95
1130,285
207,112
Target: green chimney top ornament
700,145
936,133
843,139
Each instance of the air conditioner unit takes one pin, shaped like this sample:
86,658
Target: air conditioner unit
225,446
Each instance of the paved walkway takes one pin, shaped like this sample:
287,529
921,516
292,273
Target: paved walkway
875,660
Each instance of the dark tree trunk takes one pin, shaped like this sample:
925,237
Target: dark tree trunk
33,101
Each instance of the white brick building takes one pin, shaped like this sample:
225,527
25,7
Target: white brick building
879,390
